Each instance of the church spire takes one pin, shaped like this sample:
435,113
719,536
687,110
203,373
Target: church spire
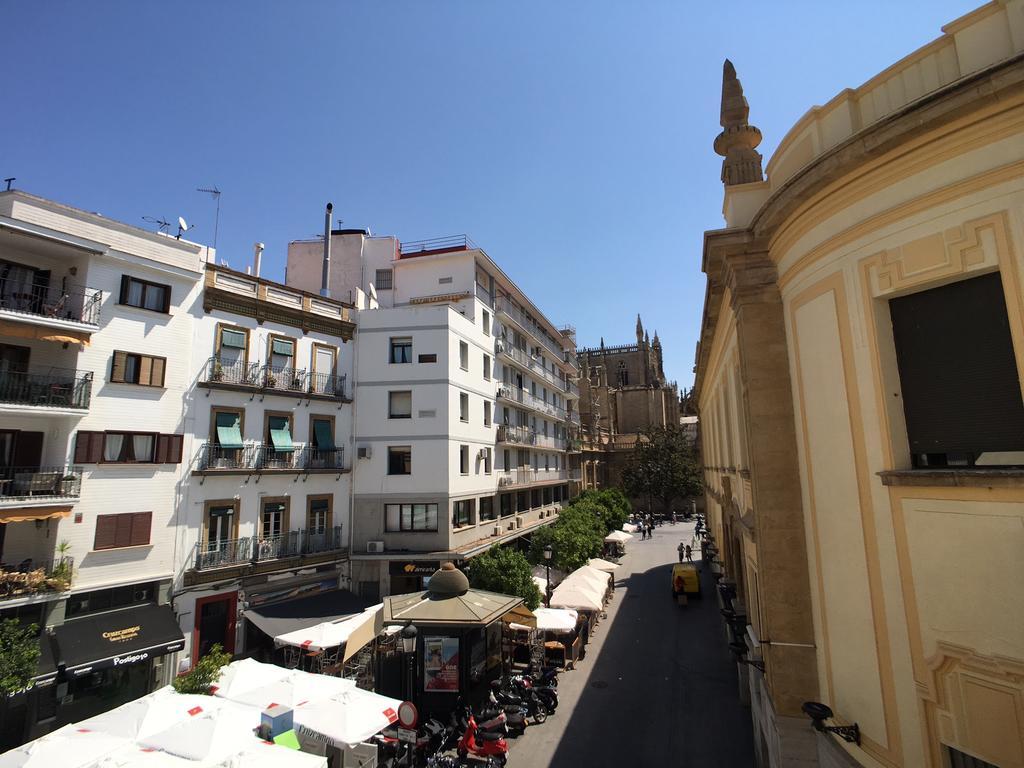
738,139
639,331
657,341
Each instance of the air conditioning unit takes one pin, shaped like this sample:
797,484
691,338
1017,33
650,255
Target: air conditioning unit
497,530
519,521
364,451
375,547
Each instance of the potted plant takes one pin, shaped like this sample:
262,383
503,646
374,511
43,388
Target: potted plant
271,381
218,371
67,484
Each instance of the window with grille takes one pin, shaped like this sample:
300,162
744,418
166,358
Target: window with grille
958,375
383,281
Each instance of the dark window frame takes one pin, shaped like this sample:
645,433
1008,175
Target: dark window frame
402,528
122,530
138,369
126,283
401,453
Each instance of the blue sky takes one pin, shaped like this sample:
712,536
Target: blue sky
571,140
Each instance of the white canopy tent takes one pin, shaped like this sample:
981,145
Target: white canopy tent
619,536
134,756
577,596
629,527
602,565
296,689
354,632
266,755
347,719
246,675
151,714
209,736
556,619
67,747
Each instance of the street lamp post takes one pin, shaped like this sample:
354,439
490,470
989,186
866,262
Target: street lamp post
408,635
548,552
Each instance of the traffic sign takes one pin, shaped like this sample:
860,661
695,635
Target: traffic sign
408,715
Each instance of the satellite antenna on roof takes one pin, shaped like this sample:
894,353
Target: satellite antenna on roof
216,221
161,225
183,227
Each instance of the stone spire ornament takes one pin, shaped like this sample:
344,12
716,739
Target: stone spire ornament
738,139
639,331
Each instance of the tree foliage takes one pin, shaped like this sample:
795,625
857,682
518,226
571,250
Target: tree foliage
663,466
205,673
507,571
19,655
576,536
615,506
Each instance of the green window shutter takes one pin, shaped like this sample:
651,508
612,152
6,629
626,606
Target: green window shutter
229,430
235,339
282,347
280,434
323,434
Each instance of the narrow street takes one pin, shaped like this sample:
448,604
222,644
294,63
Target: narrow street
658,685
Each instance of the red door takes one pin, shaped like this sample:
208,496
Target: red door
215,623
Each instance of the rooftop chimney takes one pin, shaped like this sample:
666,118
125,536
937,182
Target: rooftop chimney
257,258
326,273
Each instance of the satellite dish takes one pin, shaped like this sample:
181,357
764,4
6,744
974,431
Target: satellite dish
182,226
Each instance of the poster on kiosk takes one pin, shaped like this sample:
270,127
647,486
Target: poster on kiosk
441,664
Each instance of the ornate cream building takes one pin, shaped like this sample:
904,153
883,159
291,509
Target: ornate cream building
858,381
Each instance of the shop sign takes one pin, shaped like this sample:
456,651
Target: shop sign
441,664
413,567
122,635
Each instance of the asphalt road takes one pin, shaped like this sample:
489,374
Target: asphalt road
658,686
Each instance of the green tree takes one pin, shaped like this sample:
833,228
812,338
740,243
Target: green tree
615,504
576,536
205,673
507,571
663,466
19,655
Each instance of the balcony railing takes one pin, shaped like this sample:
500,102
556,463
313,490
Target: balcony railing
33,578
530,476
57,301
530,363
503,305
40,483
517,435
484,295
550,441
257,549
273,378
529,400
57,388
259,457
437,245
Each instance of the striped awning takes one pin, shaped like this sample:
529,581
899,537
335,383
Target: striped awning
24,514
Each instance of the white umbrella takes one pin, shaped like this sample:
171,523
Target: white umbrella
619,536
210,736
296,689
67,747
246,675
265,754
602,565
573,596
152,713
347,719
629,527
134,756
556,619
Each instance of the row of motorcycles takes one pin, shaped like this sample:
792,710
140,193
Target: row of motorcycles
478,737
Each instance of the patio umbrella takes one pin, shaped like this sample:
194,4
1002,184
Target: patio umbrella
347,719
602,565
556,619
575,596
134,756
246,675
264,754
67,747
620,536
629,528
210,736
298,688
151,714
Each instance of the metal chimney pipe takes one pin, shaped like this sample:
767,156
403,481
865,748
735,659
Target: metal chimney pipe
326,273
257,258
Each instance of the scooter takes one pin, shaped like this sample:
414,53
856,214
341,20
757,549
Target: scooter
518,708
491,746
524,686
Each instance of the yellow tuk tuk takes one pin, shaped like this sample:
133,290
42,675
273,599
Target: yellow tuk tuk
685,580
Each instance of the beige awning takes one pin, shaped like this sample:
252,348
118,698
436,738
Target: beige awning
24,514
520,615
26,331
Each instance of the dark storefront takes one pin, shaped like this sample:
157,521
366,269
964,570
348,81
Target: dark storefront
266,622
410,575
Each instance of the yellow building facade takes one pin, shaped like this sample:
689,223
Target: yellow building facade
863,324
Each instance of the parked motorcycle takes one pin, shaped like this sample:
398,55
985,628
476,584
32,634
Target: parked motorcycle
491,746
525,685
519,708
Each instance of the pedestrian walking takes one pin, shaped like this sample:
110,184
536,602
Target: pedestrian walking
682,549
689,554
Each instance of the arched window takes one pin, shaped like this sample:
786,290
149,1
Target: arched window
623,374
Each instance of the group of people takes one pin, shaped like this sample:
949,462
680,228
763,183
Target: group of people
686,550
645,525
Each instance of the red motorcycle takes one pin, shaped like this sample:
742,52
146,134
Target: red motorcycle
490,746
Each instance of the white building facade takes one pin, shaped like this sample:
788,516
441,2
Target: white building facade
466,410
95,333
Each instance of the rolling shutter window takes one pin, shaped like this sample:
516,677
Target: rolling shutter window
958,374
233,339
229,430
141,522
117,371
88,447
323,434
283,347
280,433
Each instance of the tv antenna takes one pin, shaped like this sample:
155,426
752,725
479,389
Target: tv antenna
183,227
216,221
161,225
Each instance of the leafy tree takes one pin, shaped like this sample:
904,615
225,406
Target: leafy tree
507,571
205,673
614,503
575,537
663,466
19,655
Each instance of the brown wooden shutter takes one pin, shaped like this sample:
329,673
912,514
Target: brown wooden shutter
123,530
125,284
160,456
106,532
145,369
89,447
157,377
118,366
141,524
167,299
174,446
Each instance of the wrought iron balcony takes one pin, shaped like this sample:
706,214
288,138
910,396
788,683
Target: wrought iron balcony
235,372
40,483
525,398
54,300
29,577
257,549
505,307
281,378
272,379
517,435
314,458
56,388
261,457
328,384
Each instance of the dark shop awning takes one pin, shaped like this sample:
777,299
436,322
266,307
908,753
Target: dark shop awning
46,668
290,615
113,639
